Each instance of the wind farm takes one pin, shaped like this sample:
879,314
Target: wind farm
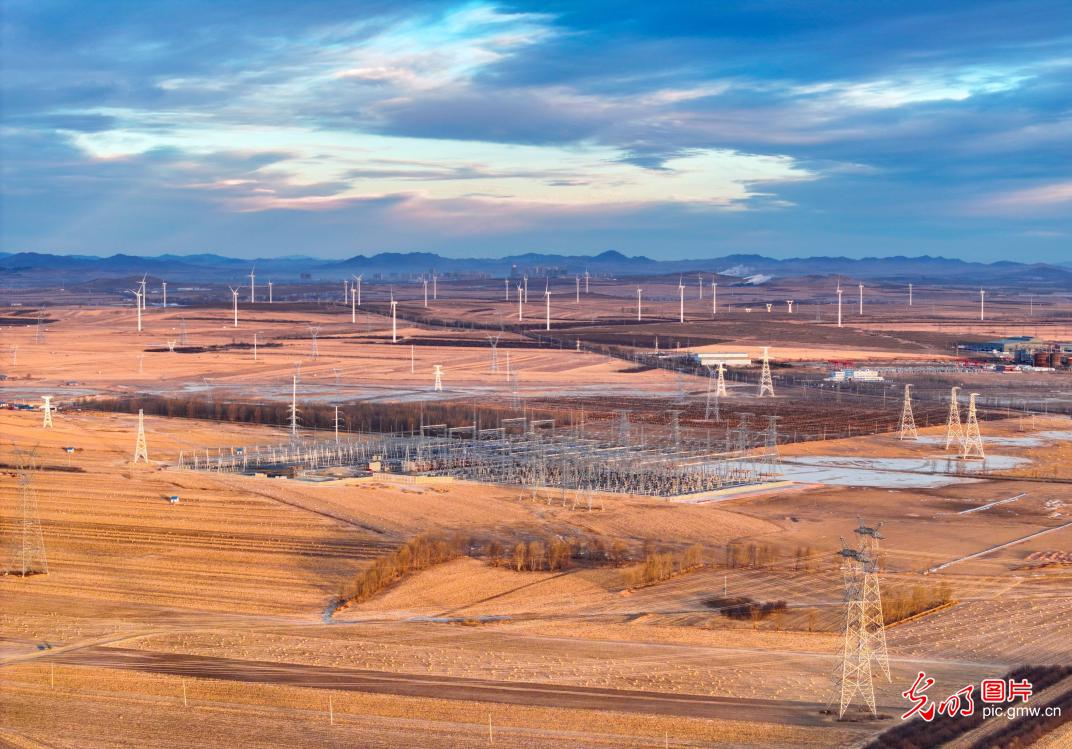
482,374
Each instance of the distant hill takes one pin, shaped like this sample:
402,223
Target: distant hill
34,268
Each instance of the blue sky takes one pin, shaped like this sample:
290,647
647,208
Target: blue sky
473,129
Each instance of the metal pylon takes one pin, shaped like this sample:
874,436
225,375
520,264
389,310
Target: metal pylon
874,620
711,406
438,377
853,679
973,441
141,451
720,386
46,406
494,341
954,430
766,385
28,553
908,421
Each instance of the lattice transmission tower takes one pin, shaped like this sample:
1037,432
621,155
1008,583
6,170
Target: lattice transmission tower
141,451
865,635
908,420
46,407
28,547
720,385
766,385
973,440
954,430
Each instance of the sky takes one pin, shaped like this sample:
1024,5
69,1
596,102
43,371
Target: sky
477,129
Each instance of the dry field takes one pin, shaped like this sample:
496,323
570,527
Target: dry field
228,594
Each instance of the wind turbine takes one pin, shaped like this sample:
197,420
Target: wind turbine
234,295
861,299
547,298
839,303
252,285
137,304
269,292
982,304
638,293
394,319
681,293
358,279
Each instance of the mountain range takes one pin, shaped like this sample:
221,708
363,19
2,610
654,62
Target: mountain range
26,268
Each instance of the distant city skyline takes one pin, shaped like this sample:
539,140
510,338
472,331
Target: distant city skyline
483,129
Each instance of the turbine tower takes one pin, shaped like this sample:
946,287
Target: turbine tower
358,279
766,385
520,303
46,406
394,319
438,377
638,294
681,295
144,283
163,285
141,452
425,292
973,440
269,292
714,298
839,305
234,295
954,430
506,282
908,421
435,287
547,300
789,302
353,306
137,305
577,284
982,304
909,295
253,285
861,299
28,554
525,279
699,281
586,280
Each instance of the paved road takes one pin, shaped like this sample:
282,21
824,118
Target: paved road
448,687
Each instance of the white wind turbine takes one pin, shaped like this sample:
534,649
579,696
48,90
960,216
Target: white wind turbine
358,279
252,285
137,305
234,296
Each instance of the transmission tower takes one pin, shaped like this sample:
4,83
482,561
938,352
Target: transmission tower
438,377
294,408
720,386
766,385
712,405
47,408
494,341
772,463
874,621
854,678
314,332
908,421
28,553
675,430
954,430
623,427
141,452
973,441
